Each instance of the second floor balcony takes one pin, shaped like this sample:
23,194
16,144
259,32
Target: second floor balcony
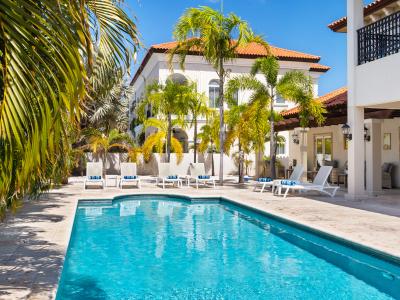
379,39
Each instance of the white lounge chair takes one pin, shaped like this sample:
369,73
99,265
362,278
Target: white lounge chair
320,184
129,175
198,174
94,174
165,175
296,175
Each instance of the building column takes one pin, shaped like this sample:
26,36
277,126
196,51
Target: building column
373,157
356,153
303,151
355,115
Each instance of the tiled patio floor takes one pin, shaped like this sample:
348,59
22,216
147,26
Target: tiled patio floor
33,242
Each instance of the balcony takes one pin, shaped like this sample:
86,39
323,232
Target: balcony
379,39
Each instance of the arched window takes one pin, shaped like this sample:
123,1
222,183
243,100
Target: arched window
178,79
213,92
281,146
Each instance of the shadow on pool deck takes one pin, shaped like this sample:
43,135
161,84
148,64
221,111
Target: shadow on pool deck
29,263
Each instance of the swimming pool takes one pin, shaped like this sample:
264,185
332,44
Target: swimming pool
158,247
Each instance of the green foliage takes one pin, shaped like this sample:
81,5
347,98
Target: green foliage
294,86
165,101
216,35
54,54
108,107
157,141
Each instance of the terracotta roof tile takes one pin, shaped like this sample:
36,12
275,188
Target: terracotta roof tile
336,97
256,50
319,68
369,9
253,50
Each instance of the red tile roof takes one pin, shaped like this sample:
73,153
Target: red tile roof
319,68
334,98
253,50
368,10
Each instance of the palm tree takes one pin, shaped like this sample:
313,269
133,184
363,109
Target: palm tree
157,141
294,86
100,143
207,30
209,138
244,126
166,100
197,107
52,53
108,108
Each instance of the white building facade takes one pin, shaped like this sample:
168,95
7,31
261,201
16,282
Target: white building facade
373,78
361,134
155,67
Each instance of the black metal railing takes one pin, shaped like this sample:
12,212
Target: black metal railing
379,39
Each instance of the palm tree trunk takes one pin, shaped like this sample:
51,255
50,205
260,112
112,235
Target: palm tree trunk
169,135
221,122
272,140
212,160
195,140
241,156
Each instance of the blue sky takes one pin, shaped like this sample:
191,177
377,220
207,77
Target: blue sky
298,25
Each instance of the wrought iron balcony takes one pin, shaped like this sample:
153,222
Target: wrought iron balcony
379,39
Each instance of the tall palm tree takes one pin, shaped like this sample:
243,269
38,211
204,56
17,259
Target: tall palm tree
52,53
158,140
218,38
196,106
294,86
166,100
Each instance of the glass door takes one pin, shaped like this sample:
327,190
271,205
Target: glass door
323,149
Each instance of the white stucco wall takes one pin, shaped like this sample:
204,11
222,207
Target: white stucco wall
377,82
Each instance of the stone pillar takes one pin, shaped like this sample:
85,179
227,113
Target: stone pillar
373,157
303,151
355,115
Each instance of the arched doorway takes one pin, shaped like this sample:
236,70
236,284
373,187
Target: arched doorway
182,137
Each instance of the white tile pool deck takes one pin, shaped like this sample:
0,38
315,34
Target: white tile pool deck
33,242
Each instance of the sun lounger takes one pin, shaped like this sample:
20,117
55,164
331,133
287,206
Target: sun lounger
165,175
94,174
265,182
129,175
198,174
320,184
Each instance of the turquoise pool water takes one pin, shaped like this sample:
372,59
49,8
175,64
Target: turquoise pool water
154,247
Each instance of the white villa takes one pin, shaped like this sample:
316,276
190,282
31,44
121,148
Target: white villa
361,136
154,67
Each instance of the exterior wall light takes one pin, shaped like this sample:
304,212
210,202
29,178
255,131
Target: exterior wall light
367,136
295,138
347,132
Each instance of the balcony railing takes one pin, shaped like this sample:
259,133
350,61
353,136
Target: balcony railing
379,39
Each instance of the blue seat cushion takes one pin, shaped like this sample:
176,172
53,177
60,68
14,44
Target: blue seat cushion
172,177
265,179
94,177
203,177
289,182
130,177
